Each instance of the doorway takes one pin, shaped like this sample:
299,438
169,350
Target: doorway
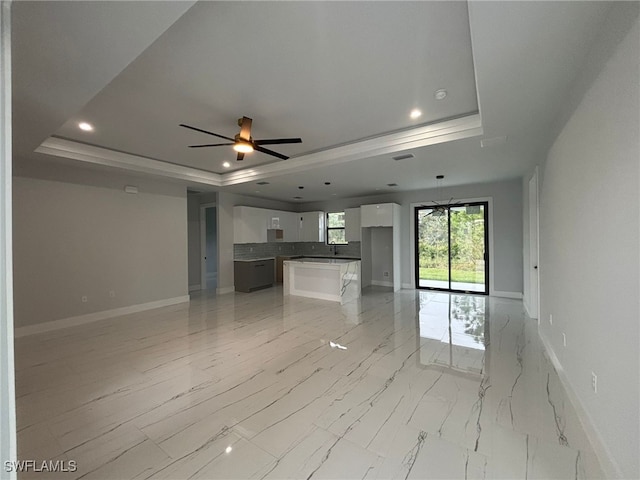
208,246
452,248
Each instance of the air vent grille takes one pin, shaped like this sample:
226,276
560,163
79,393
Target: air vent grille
404,156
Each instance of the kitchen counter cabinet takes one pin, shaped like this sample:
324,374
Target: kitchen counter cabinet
250,275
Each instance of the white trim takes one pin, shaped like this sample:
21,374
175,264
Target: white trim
441,132
381,283
407,286
610,467
194,288
412,238
94,317
8,443
516,295
225,290
60,147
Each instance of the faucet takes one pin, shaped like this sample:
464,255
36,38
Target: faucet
334,248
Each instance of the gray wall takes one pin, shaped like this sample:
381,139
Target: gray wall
589,248
73,240
506,217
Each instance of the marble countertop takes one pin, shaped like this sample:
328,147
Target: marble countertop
253,259
323,261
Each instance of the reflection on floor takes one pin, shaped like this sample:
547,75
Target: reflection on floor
444,285
430,385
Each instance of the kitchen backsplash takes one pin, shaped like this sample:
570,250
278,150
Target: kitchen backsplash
243,251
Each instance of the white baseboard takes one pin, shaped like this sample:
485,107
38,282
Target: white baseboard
497,293
408,286
381,283
223,290
609,465
194,288
94,317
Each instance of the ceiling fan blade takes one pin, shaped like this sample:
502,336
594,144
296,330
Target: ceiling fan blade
269,152
240,157
276,141
204,131
210,145
245,128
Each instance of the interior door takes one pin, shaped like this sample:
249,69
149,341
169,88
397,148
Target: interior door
451,248
533,247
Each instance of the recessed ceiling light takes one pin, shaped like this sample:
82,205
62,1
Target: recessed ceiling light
327,183
415,113
440,94
226,164
300,188
84,126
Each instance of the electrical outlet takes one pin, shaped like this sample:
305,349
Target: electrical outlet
250,249
313,247
564,340
112,294
84,299
280,249
385,274
550,319
594,382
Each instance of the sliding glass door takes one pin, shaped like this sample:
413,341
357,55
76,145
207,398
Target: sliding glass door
451,248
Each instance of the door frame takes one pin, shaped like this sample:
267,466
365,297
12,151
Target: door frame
486,249
412,235
203,242
8,443
533,301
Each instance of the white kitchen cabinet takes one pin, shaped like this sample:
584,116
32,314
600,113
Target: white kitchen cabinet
290,224
352,224
250,224
378,215
311,227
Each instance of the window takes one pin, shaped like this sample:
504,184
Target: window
335,229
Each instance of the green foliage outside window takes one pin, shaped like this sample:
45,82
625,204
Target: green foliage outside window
336,228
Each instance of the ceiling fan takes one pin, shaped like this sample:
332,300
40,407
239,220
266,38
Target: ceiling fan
243,142
440,209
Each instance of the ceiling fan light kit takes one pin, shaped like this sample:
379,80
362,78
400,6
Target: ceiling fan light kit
243,142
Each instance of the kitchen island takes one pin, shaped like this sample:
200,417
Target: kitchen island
335,279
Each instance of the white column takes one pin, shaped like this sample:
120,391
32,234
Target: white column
7,385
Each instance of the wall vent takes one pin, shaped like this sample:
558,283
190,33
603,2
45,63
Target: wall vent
403,157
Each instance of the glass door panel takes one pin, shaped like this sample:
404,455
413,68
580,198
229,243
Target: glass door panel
433,247
451,243
467,242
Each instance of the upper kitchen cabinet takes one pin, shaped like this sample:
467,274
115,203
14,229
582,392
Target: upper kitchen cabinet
290,224
250,224
311,226
352,224
379,214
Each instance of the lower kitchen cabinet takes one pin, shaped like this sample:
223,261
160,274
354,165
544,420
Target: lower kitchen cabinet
250,275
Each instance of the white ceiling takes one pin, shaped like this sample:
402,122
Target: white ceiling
332,73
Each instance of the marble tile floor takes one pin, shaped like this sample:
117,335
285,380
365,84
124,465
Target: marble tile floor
429,386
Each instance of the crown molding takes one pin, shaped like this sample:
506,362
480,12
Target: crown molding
441,132
60,147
